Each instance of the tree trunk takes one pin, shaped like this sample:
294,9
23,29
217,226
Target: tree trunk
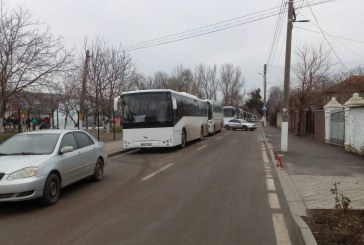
65,121
299,123
2,115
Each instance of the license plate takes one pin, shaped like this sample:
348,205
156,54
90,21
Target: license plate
146,144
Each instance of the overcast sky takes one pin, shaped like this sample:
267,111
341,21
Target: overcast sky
248,46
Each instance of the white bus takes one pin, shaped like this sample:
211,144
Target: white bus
160,118
215,117
229,113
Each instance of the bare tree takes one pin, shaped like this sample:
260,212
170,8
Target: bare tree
68,96
158,81
182,80
311,78
111,72
29,57
231,84
274,104
206,78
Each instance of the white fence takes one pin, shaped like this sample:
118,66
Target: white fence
354,123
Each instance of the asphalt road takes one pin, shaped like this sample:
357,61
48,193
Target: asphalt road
215,191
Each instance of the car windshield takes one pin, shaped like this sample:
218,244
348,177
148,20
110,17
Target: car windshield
29,144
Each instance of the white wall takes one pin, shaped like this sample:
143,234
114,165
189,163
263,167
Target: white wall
354,138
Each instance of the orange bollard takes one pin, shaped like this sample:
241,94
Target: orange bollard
279,161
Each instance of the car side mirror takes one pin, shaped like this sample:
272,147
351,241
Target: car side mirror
66,149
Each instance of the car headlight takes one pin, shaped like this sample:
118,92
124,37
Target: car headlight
23,173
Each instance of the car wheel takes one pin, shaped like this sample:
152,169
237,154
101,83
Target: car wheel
52,190
99,171
245,128
183,139
227,127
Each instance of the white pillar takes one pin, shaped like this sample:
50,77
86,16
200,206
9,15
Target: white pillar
333,105
284,137
348,129
327,125
355,101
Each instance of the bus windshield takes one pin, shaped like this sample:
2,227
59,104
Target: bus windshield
141,110
229,112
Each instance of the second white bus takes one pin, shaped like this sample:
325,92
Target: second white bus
215,117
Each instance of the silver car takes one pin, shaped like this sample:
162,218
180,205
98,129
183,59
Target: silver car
240,124
38,164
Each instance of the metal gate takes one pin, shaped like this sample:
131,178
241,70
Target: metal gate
337,127
310,123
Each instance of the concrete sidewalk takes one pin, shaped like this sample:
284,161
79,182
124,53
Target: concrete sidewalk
310,170
315,166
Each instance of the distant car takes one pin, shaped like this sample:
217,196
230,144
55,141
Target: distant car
240,124
38,164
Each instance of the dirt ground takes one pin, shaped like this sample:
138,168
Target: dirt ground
334,227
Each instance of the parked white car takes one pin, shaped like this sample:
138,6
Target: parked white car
240,124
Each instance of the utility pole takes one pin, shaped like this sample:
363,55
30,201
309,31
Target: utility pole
83,91
287,69
265,96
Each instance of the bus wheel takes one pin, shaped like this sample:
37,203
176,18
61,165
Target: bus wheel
183,139
201,134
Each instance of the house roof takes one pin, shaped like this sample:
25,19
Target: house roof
352,82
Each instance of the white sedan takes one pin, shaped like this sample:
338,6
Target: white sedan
38,164
240,124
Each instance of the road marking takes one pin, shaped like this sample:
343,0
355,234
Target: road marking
280,229
157,172
273,201
201,147
279,224
270,185
265,157
219,138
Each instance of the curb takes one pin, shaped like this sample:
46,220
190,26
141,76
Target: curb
295,202
118,152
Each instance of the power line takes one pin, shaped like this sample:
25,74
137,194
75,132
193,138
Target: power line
323,33
337,37
344,38
277,34
223,25
200,33
281,47
201,28
211,28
